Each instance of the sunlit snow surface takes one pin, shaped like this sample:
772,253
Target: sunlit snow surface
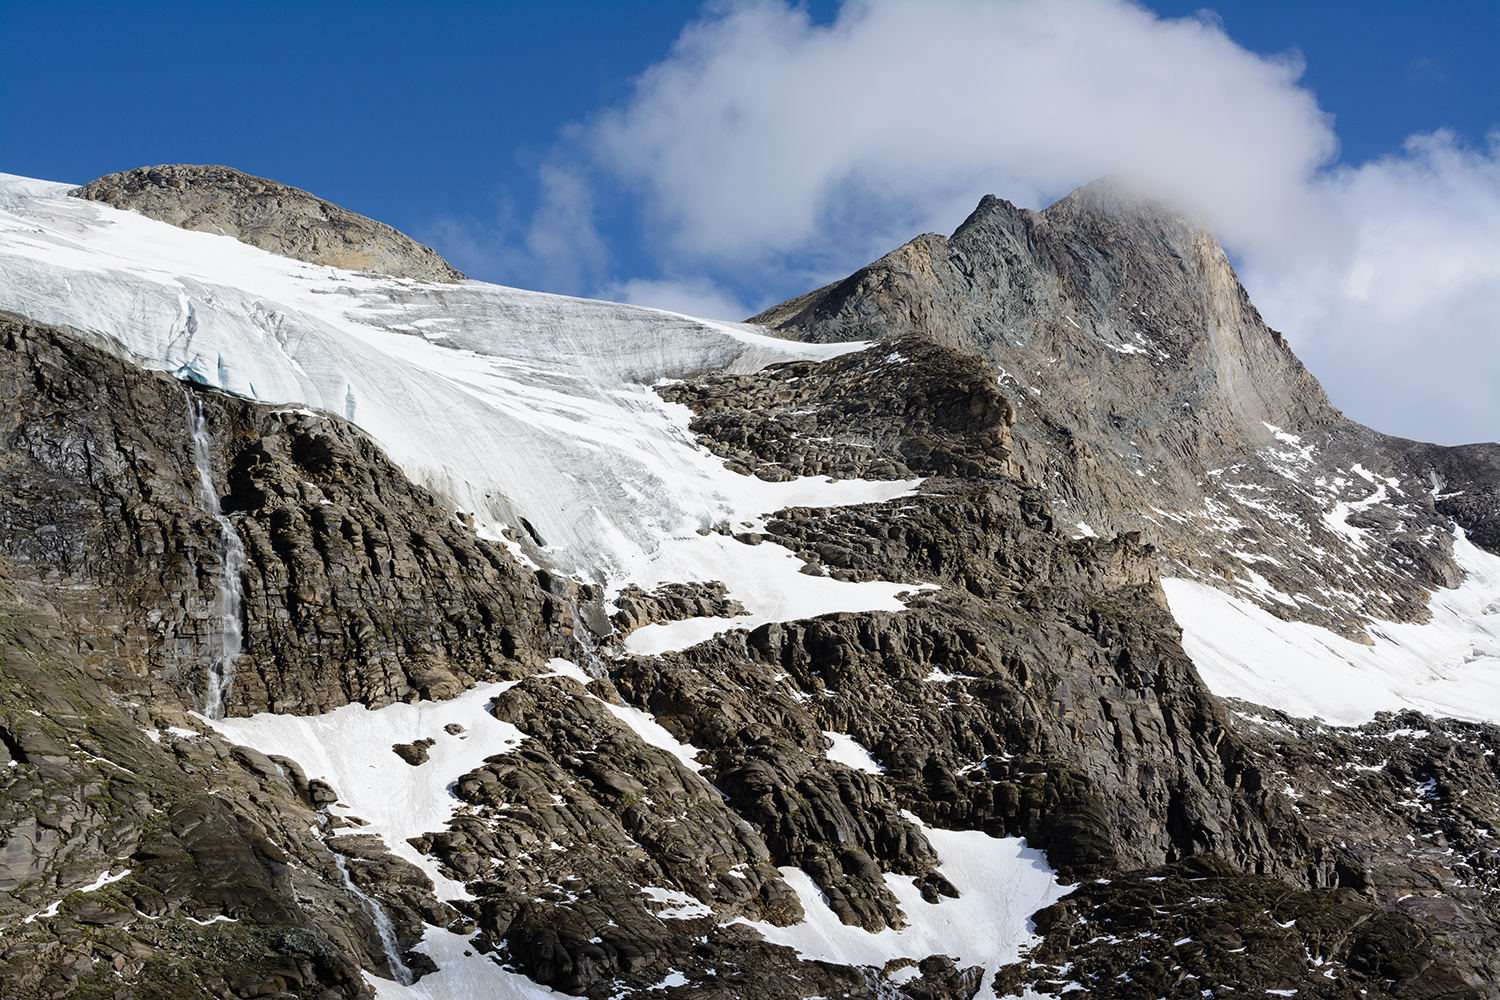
506,404
1449,666
350,748
1001,882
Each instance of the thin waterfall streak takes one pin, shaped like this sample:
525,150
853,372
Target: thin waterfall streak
383,926
228,633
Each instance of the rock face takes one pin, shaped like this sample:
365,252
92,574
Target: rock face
358,587
268,215
1150,396
656,820
161,863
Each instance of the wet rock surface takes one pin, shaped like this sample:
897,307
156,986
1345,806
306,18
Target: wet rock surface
160,863
358,586
269,215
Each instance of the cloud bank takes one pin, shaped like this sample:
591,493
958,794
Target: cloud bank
767,154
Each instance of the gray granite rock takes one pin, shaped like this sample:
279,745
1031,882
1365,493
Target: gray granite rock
269,215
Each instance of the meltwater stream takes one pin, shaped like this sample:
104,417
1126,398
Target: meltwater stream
227,632
383,926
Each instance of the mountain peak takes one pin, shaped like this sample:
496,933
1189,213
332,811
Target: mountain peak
269,215
1150,394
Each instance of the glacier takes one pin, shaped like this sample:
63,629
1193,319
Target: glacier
531,412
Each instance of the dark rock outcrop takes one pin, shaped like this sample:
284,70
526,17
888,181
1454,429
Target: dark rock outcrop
161,862
358,586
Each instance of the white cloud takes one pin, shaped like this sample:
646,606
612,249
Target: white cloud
560,250
765,146
763,134
1395,300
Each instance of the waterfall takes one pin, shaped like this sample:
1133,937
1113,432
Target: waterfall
227,633
383,926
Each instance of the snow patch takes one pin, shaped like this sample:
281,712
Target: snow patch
463,974
350,748
1002,882
768,580
844,749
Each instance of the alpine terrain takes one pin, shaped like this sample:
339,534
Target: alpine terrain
1013,618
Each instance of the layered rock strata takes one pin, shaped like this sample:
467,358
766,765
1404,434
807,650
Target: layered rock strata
657,819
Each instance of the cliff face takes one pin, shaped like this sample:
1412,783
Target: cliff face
481,775
356,585
1150,396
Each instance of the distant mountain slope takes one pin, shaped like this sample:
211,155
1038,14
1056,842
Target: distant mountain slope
1151,397
268,215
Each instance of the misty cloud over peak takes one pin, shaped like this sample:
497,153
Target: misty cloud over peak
767,154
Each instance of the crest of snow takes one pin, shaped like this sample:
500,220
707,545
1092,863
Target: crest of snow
350,748
846,750
1001,882
1086,531
1449,666
504,403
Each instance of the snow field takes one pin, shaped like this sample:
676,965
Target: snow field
768,580
1449,666
350,748
844,749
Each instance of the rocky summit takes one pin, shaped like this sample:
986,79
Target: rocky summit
1013,618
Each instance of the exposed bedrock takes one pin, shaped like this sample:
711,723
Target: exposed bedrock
269,215
358,586
160,865
1045,695
1150,396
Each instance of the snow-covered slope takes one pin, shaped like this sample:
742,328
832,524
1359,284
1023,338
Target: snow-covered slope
517,407
1448,666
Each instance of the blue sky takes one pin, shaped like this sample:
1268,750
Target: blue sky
516,138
